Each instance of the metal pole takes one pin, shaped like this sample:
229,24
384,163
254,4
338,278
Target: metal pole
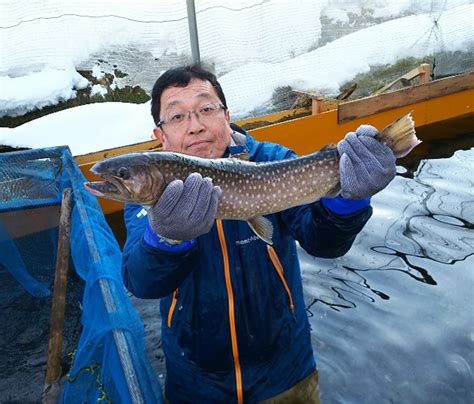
193,33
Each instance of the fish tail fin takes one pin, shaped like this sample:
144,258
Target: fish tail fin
400,136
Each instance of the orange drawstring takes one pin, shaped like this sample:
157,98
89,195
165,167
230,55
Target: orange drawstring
172,307
230,295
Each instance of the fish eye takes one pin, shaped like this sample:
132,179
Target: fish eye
123,173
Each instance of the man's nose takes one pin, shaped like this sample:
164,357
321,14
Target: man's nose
195,125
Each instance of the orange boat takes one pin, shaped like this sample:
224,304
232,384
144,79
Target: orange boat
442,109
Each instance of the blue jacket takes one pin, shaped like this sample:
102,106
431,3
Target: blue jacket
233,312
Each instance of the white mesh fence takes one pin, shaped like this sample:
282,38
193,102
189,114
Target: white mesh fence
254,46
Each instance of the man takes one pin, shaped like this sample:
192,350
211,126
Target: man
234,326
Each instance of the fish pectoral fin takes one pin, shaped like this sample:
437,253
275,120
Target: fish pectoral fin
262,227
334,191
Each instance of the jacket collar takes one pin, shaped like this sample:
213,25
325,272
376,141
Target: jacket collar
241,142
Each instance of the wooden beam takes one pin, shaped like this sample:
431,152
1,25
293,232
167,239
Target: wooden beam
53,368
150,145
423,71
411,95
273,117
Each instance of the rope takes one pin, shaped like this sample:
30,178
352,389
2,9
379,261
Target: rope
92,369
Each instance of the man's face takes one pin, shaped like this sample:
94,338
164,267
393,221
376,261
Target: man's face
197,136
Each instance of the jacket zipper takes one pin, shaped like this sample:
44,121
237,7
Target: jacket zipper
279,268
230,296
174,300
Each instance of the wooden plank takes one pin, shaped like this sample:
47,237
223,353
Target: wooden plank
422,92
150,145
272,118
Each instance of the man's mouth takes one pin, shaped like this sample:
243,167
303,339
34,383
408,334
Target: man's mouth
198,143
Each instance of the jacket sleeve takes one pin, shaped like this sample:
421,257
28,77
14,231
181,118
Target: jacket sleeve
149,272
320,230
323,233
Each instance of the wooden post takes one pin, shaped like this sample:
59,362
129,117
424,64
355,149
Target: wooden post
317,101
425,73
317,105
53,369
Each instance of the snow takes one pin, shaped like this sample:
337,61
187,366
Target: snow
97,73
37,90
251,70
97,89
85,129
329,66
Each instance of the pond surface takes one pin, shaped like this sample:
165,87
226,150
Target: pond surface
393,320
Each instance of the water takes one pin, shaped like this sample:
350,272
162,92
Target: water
393,320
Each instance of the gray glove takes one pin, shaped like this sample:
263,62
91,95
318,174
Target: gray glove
366,166
185,210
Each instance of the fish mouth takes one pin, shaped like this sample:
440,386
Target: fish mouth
112,188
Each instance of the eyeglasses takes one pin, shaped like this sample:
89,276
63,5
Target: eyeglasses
205,113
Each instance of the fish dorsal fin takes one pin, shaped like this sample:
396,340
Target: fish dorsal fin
330,146
262,227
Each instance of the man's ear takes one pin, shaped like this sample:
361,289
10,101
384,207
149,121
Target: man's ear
158,134
227,116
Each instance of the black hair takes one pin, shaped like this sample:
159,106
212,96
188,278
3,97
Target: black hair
180,77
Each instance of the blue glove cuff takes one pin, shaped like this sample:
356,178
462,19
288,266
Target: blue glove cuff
163,244
343,206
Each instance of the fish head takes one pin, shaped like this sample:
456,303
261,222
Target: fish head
129,178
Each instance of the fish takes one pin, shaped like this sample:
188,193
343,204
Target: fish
250,190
